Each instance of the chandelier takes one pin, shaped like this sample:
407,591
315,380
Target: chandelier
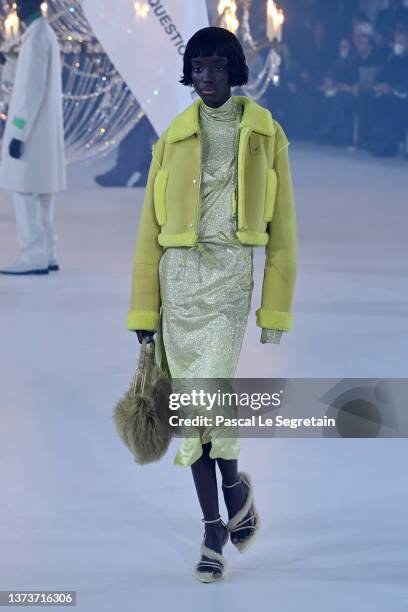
267,70
99,108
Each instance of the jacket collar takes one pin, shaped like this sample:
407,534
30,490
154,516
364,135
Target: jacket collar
31,28
255,117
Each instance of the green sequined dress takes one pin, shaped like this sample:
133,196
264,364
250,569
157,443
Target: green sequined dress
206,289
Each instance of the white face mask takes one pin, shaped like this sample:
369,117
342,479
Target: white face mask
344,54
399,49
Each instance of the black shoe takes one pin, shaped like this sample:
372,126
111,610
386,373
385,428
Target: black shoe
111,179
21,268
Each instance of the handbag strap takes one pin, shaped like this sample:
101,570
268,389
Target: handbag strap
146,359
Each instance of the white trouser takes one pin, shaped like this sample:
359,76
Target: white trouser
36,234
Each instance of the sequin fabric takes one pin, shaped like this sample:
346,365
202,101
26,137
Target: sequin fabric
206,289
271,335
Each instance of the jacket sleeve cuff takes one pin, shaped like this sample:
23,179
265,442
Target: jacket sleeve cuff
273,319
143,319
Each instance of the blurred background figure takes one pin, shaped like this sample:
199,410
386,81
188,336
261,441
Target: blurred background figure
133,157
33,157
393,16
387,107
337,98
368,64
346,79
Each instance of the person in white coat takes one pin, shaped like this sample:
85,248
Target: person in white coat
33,155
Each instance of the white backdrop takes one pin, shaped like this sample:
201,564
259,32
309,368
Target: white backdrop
148,52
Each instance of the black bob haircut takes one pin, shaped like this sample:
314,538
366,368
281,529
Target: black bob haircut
216,41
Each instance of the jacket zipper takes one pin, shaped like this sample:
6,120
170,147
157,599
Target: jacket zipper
244,140
235,194
199,186
235,208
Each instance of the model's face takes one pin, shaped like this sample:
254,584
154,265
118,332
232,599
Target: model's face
210,79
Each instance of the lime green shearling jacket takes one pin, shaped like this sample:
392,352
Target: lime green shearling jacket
263,205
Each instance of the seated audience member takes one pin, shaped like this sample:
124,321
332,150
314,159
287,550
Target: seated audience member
308,71
388,19
388,108
277,96
368,66
337,101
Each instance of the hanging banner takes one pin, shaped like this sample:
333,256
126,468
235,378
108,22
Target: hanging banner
146,41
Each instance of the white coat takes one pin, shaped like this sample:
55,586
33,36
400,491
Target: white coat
35,116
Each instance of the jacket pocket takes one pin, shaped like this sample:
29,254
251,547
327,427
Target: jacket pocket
159,196
270,194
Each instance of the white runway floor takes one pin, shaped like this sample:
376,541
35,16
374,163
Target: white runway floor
77,513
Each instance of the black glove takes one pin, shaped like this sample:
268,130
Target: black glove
16,148
142,333
3,58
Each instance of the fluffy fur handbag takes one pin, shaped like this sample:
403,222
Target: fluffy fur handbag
142,416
